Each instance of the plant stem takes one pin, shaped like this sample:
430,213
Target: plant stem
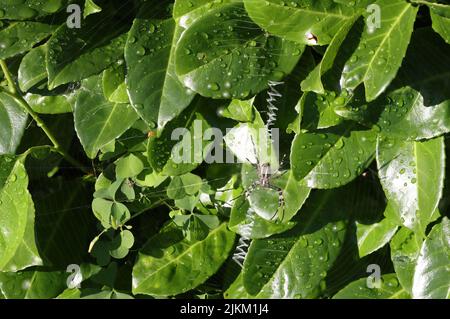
428,3
11,85
13,93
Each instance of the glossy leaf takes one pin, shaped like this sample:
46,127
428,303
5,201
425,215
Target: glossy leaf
75,54
170,265
33,284
13,120
20,37
90,7
440,15
417,104
32,69
390,289
17,237
28,9
150,54
314,80
374,236
294,193
51,104
179,148
331,158
432,272
294,264
224,44
248,224
98,121
405,248
114,86
237,290
185,13
307,22
412,175
238,110
318,111
380,46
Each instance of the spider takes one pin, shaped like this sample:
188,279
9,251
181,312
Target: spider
264,180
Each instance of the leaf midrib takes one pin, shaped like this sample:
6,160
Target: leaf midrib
387,36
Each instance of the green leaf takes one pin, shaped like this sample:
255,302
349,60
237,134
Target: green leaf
150,54
318,111
121,244
373,237
331,158
381,50
187,12
98,121
417,104
177,154
407,115
170,265
28,9
13,120
114,86
129,166
432,271
20,37
248,224
241,111
237,290
175,189
17,238
390,289
250,142
314,80
51,104
224,44
440,15
32,70
301,20
412,175
192,183
188,202
33,284
294,264
75,54
425,102
405,249
294,193
90,7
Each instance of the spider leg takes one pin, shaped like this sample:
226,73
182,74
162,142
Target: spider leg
278,174
255,150
281,201
251,189
246,193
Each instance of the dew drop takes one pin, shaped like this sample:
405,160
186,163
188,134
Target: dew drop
213,86
140,51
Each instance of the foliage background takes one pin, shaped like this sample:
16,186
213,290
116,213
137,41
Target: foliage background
87,178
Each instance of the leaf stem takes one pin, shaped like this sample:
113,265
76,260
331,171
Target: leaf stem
11,85
13,93
428,3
